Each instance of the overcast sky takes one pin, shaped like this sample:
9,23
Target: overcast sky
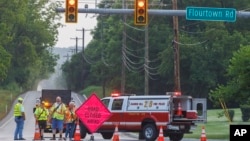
68,33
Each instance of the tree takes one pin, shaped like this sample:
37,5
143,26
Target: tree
238,72
4,63
31,30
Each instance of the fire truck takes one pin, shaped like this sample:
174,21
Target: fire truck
176,114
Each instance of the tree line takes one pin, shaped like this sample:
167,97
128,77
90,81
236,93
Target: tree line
207,53
213,55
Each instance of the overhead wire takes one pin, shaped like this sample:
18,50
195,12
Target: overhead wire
195,44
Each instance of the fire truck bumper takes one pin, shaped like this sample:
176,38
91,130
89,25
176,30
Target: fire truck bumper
181,127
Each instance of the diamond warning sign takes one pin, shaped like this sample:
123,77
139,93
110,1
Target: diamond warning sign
93,113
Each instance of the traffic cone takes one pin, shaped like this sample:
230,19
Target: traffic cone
179,110
203,134
37,135
77,135
161,137
116,134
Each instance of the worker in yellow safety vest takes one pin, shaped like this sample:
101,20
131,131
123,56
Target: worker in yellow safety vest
70,120
19,115
41,115
57,113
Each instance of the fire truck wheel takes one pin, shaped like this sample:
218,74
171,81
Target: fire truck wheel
83,131
149,132
176,136
107,135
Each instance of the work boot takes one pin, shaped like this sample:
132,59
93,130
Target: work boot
54,137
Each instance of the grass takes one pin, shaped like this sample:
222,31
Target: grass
7,98
95,89
217,128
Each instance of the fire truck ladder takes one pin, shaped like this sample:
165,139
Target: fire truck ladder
223,105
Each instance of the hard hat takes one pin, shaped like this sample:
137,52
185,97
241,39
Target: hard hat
38,100
20,99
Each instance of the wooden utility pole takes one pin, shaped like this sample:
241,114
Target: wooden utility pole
83,37
76,38
177,87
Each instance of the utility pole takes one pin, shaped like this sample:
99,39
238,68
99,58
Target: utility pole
83,36
67,56
76,38
177,87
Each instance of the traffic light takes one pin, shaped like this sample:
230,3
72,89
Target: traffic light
71,11
141,12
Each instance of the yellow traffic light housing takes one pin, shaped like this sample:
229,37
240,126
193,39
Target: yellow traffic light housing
71,11
141,12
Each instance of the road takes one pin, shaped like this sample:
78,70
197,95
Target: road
7,125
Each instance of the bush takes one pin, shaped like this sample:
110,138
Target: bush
245,110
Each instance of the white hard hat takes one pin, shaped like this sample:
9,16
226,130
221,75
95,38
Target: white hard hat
38,100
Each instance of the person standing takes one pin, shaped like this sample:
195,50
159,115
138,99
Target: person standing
19,115
38,102
41,115
57,113
70,119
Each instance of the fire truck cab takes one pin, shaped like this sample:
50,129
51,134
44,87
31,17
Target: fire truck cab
176,115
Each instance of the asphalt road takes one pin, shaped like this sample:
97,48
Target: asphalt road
7,125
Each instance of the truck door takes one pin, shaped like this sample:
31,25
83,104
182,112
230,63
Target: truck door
117,112
200,104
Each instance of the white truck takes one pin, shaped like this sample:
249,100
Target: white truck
176,114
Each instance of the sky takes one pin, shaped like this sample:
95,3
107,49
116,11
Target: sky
68,33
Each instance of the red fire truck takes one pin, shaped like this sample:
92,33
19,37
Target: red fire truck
175,113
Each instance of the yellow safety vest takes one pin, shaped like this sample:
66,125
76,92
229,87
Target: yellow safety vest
59,112
17,110
41,113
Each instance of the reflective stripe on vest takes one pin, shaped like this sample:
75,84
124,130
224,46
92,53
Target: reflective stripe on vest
43,113
59,113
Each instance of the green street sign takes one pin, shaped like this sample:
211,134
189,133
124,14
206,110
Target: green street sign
211,14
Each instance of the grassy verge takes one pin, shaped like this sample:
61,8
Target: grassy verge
95,89
217,128
7,98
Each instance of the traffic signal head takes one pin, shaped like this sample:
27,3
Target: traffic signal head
71,11
141,12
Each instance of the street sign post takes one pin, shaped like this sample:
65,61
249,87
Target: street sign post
211,14
93,113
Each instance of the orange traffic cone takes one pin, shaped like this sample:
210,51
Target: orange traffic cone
203,134
161,137
116,134
179,110
77,135
37,135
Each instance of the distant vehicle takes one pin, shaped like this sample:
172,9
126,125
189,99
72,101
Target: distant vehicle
175,113
49,97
